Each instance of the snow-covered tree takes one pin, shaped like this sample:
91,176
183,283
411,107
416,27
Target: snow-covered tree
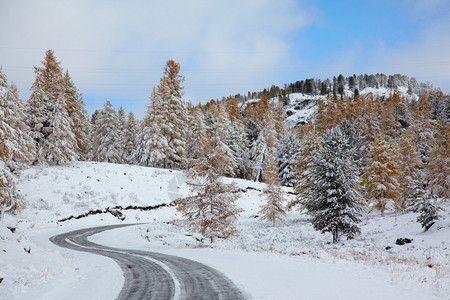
221,135
335,204
409,167
264,146
273,209
287,152
173,110
197,134
438,168
129,138
77,114
62,144
238,142
152,144
105,136
422,126
19,145
429,211
381,175
302,173
46,90
211,210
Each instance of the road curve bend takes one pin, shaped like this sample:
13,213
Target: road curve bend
152,275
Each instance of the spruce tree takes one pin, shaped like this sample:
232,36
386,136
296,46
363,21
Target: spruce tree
61,141
409,167
221,136
105,136
129,138
197,135
287,151
171,92
19,147
335,203
438,168
152,144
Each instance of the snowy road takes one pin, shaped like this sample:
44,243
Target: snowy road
150,275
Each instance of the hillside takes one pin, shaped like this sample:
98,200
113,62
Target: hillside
265,261
300,98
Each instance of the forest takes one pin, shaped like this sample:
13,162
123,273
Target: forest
357,153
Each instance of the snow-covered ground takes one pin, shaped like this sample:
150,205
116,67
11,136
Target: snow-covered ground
286,261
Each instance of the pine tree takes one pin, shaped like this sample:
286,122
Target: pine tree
381,176
409,167
238,142
273,209
438,168
129,138
122,116
21,146
197,135
222,138
105,136
422,127
335,203
61,142
152,144
429,212
170,92
211,211
287,151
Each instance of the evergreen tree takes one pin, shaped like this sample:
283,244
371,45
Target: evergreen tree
429,212
130,138
222,138
105,136
381,176
263,147
211,211
152,144
438,168
273,209
409,167
197,135
121,114
422,127
287,151
61,139
19,145
336,203
170,92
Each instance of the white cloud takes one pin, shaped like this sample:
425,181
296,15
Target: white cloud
426,58
119,48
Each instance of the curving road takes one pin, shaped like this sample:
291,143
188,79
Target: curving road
151,275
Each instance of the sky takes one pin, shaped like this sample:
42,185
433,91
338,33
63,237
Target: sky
117,49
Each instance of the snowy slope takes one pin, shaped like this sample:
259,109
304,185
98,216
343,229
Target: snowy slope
302,107
288,261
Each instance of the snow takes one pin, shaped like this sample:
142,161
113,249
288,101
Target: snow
286,261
